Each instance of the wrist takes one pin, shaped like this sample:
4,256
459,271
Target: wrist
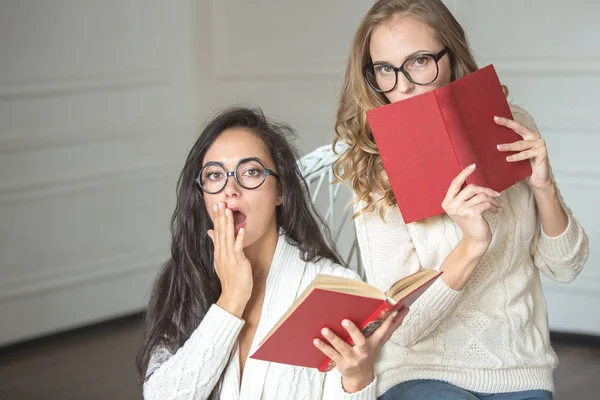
543,191
473,249
234,306
357,383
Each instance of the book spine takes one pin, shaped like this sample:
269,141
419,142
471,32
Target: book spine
367,327
458,134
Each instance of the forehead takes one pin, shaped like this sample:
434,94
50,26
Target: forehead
235,144
396,39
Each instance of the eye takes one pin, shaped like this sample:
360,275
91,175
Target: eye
213,175
253,172
384,69
421,61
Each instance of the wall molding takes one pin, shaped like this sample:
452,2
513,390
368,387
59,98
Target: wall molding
96,270
585,179
83,84
542,66
24,143
84,183
224,70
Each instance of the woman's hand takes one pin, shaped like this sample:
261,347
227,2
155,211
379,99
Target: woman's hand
356,363
231,265
532,148
466,207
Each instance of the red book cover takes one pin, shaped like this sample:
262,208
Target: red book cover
426,140
320,305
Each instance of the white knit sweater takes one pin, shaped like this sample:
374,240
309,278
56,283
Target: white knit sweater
492,336
211,351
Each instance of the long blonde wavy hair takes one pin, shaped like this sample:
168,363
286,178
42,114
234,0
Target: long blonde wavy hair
360,165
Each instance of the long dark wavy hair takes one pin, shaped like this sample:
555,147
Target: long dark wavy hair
188,284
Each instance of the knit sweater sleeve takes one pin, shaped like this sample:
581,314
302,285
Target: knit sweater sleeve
193,371
562,257
388,254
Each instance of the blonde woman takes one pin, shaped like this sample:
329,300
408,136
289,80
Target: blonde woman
481,331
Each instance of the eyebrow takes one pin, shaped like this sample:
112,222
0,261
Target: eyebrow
235,163
414,53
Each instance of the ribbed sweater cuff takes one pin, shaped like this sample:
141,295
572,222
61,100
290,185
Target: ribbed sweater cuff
368,393
563,246
220,325
440,297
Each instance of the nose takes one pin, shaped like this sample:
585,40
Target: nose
232,189
404,86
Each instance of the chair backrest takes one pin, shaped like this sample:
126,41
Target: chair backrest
332,201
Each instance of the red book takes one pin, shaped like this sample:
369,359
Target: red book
325,303
426,140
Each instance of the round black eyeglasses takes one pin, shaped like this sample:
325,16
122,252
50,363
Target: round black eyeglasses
420,69
250,173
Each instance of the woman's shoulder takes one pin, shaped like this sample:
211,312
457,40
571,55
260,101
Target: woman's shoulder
523,117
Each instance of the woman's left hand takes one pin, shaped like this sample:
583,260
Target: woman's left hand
357,363
532,148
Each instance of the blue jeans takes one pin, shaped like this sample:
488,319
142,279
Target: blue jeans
424,389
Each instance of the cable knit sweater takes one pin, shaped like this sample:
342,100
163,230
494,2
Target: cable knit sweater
492,336
211,351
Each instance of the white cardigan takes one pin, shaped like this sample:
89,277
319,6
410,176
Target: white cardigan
492,336
211,351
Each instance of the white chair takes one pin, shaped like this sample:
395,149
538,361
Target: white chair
332,201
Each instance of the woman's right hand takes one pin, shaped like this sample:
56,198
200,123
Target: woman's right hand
466,207
231,265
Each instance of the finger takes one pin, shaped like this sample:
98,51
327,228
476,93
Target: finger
481,198
337,343
229,232
211,235
517,146
215,230
238,246
328,351
457,183
480,208
528,154
389,326
473,190
221,229
355,334
516,127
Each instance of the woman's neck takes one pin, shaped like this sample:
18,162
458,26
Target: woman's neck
260,254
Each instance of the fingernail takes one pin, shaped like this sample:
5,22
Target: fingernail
499,147
394,314
346,323
221,205
472,166
497,194
317,342
215,207
241,231
509,158
496,118
227,212
325,332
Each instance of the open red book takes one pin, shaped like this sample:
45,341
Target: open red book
325,303
426,140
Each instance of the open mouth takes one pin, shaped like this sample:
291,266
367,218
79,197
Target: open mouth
239,219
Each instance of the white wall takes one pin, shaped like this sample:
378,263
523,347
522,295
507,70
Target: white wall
99,103
96,107
548,54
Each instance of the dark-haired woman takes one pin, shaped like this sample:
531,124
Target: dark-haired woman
245,244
